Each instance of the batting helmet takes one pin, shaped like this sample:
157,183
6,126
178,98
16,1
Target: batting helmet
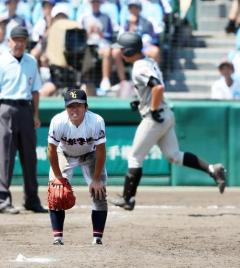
131,43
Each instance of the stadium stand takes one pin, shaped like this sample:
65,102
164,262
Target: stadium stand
199,43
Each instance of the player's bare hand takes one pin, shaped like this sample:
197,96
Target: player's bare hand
97,190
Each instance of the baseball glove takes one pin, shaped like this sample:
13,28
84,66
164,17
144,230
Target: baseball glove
60,194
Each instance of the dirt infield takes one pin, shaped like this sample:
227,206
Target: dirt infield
170,227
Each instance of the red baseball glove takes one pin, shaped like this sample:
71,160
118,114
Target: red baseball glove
60,194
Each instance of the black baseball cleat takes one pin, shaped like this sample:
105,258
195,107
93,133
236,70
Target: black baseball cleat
36,209
9,209
123,203
218,173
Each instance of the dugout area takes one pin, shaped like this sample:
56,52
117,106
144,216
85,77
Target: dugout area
207,128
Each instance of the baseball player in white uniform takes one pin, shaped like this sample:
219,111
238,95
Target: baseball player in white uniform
77,139
157,125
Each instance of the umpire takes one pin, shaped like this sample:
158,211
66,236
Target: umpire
19,98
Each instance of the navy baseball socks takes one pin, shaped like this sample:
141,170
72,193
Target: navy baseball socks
98,222
57,221
132,179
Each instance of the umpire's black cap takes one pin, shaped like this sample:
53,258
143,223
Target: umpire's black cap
75,96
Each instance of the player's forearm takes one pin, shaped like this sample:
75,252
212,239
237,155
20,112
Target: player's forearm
157,97
100,161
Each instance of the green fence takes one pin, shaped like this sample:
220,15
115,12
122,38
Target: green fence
234,145
202,128
209,129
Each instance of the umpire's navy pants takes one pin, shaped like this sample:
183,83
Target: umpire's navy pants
17,132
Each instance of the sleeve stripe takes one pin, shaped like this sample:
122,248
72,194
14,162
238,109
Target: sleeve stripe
53,138
102,137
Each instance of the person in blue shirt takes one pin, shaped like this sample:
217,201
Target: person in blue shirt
19,98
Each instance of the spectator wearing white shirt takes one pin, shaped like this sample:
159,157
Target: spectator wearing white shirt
227,87
100,33
43,23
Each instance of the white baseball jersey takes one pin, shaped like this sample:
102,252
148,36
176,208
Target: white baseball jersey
142,70
76,141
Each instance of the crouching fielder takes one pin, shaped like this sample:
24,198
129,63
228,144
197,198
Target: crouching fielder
76,139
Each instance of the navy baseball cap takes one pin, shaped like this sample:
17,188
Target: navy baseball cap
75,96
19,31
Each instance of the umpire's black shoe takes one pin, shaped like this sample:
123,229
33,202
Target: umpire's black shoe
9,209
123,203
219,175
37,209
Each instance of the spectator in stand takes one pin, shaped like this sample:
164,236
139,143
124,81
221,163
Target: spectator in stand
24,10
55,49
234,17
153,11
227,86
44,22
39,37
37,11
137,23
11,17
100,33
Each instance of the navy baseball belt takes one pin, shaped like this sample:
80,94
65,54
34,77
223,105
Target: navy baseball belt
82,157
16,102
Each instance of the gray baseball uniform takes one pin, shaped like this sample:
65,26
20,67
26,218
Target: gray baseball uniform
150,132
157,125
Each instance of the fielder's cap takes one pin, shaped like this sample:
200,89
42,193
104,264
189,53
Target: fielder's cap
136,3
225,63
19,31
75,96
60,8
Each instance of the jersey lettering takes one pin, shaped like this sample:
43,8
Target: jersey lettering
80,141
